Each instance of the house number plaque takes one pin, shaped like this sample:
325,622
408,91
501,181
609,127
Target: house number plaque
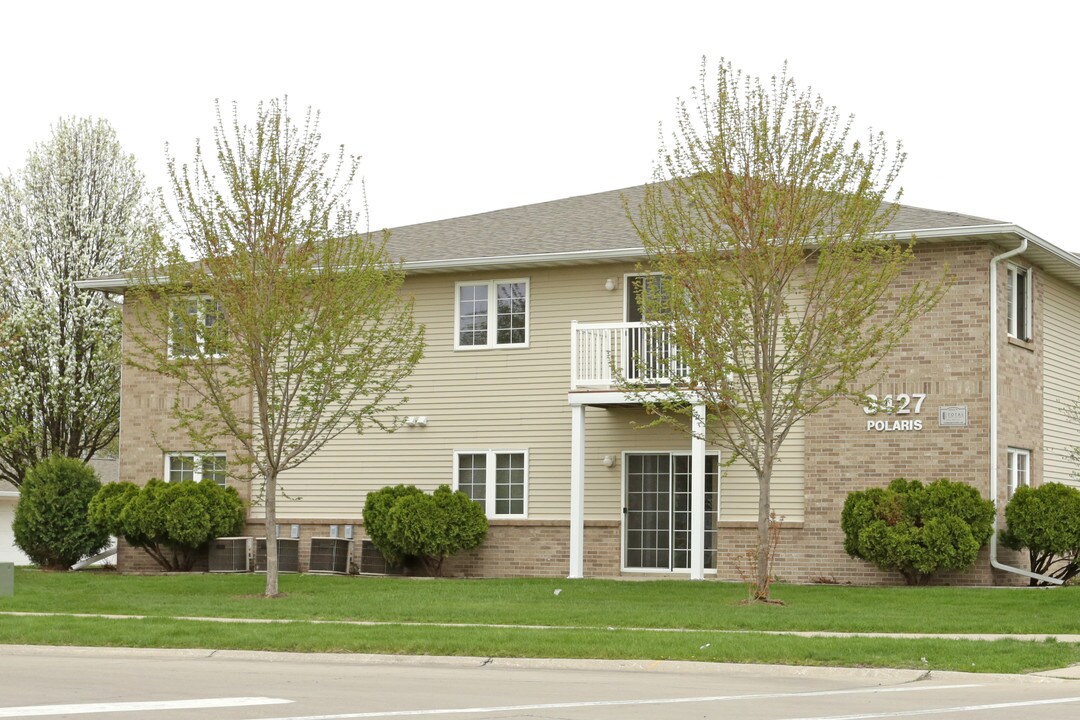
901,407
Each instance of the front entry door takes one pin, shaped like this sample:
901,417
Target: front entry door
656,511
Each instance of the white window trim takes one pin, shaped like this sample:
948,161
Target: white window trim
1012,455
623,567
492,329
1012,272
489,492
200,338
198,457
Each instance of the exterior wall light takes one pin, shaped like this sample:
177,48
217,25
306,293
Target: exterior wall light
609,461
610,284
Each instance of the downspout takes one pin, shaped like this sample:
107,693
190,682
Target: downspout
994,417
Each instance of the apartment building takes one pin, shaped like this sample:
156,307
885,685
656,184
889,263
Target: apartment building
526,309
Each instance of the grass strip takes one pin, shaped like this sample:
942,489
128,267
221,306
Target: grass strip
1002,656
594,603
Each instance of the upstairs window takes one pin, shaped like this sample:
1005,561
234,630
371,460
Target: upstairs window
493,313
181,466
1018,290
195,328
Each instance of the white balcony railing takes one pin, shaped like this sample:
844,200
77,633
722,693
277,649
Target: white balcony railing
603,353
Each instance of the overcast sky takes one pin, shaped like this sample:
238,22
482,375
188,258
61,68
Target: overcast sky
462,107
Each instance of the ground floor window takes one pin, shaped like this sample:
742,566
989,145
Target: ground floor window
656,512
497,479
1019,469
180,466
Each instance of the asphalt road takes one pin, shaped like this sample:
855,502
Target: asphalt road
176,685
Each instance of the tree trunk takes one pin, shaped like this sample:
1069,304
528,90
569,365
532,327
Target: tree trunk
270,493
761,592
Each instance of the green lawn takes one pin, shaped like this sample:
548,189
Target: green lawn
596,618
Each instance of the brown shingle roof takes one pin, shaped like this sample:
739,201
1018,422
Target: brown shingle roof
582,223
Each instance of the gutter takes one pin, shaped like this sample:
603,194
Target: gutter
119,283
631,253
994,417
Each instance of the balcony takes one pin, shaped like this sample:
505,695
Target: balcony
602,354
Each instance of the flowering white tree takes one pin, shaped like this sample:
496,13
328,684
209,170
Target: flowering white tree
78,209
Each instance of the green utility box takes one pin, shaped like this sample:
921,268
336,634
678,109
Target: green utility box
7,579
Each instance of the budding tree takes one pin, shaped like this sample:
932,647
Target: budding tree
77,210
289,328
768,219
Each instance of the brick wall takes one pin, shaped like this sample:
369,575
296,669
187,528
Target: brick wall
136,560
946,356
147,425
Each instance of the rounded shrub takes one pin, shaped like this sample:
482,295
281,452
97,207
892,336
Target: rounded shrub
172,522
104,510
376,523
406,523
917,529
51,524
434,527
1046,521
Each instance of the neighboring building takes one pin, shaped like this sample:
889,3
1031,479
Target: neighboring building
9,498
513,404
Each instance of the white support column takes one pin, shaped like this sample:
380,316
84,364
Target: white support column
697,494
577,491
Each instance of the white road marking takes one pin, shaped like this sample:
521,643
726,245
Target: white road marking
941,711
615,703
87,708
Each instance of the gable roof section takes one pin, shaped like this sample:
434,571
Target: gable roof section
594,223
595,228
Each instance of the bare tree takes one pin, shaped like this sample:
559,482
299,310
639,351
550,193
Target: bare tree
289,328
768,221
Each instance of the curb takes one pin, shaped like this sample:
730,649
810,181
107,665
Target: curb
878,675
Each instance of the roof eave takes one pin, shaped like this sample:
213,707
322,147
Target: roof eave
1064,260
554,258
105,284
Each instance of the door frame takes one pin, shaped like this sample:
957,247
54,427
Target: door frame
623,516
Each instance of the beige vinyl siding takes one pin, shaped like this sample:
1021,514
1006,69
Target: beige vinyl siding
510,398
1061,378
476,399
739,485
613,431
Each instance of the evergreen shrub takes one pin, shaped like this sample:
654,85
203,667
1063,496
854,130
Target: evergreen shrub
376,518
917,529
172,522
50,523
430,528
1046,521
